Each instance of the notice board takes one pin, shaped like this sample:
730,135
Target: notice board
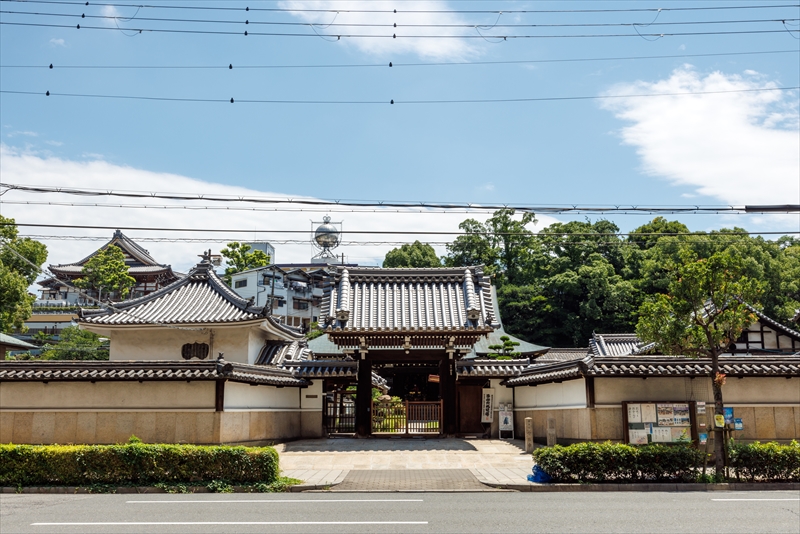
659,422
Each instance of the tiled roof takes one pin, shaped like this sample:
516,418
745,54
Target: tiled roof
562,355
552,372
199,298
646,366
358,298
325,369
614,344
680,366
491,368
13,343
75,269
775,324
126,244
283,353
38,371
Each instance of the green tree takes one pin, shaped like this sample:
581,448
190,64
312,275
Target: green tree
240,257
502,244
505,350
414,254
107,274
76,344
702,313
20,261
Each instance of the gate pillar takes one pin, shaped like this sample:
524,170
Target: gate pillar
447,384
364,397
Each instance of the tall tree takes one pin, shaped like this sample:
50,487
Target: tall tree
76,344
107,274
240,257
703,312
20,261
414,254
502,243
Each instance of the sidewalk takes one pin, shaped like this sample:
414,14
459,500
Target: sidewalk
325,463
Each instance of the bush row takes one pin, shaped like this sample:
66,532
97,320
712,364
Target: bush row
134,463
755,462
607,462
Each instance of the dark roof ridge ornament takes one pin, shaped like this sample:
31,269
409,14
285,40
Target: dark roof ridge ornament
473,309
343,298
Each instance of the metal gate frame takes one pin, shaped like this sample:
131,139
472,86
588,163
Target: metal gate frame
407,417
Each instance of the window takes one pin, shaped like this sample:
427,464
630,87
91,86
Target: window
299,304
240,283
194,350
278,303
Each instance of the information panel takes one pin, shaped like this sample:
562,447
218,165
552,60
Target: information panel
658,422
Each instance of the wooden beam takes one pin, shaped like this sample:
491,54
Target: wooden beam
219,396
364,396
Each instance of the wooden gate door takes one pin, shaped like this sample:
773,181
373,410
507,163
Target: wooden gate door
469,409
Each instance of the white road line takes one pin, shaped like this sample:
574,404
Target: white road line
202,523
231,501
728,500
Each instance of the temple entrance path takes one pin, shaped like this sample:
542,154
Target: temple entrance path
398,464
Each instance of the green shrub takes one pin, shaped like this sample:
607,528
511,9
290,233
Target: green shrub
613,462
134,463
765,461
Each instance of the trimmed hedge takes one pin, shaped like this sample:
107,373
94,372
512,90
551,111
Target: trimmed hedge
613,462
757,462
134,464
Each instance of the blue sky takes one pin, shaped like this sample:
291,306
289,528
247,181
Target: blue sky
730,148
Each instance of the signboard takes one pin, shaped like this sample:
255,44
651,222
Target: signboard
738,424
719,420
728,412
506,418
658,422
701,407
487,405
433,378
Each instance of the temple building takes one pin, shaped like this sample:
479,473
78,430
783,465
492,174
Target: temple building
148,273
405,352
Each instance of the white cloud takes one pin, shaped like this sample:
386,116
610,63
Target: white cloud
21,167
58,42
739,148
22,133
54,143
432,48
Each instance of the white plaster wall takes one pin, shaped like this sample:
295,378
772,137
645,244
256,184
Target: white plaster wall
166,343
311,397
252,284
753,390
255,342
246,397
502,394
125,396
570,394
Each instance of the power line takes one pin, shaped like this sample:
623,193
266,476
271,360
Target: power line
231,66
401,25
339,36
366,232
402,11
391,101
546,208
383,211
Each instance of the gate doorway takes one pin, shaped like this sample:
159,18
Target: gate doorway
339,410
469,409
406,417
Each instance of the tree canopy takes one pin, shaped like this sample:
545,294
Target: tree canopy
17,274
414,254
705,309
559,285
76,344
240,257
106,273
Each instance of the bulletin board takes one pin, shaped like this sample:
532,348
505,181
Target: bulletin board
659,422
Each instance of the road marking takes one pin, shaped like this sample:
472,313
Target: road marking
199,501
202,523
755,499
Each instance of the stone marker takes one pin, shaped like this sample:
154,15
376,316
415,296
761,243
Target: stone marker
528,434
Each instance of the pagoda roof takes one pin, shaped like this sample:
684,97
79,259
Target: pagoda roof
139,260
201,298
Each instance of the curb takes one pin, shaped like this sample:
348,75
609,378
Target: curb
732,486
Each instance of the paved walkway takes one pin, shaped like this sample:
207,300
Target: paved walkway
400,463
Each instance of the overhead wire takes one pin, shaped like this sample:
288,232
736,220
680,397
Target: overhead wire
401,25
6,187
402,11
392,101
231,66
317,35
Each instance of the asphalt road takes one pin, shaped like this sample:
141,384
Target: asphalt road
503,512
